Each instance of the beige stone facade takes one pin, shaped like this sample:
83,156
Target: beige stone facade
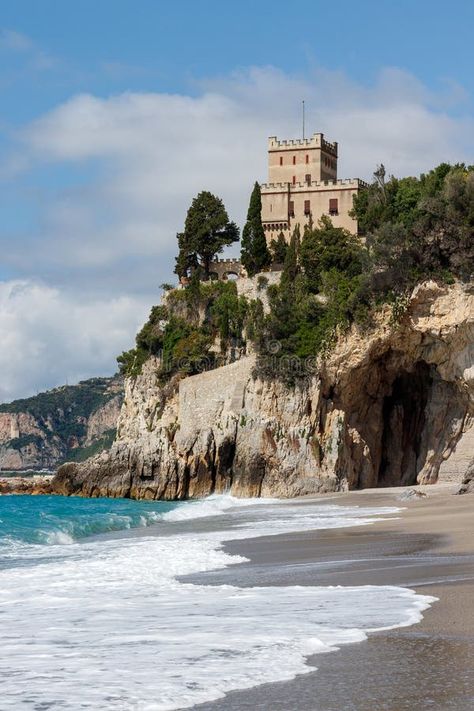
303,184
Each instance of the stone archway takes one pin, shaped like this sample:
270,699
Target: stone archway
223,268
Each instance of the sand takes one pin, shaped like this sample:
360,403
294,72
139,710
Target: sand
429,548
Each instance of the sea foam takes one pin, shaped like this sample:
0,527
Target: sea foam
108,625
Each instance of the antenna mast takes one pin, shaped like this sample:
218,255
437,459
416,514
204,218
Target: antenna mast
303,120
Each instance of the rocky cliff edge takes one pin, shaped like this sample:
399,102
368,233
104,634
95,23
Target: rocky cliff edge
394,405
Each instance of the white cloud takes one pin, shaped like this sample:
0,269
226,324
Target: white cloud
50,337
152,152
129,165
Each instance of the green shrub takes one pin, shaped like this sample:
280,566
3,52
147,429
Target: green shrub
149,341
228,313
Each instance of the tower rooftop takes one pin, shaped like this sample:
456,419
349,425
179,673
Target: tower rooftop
317,140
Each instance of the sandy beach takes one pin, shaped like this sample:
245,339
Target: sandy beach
428,547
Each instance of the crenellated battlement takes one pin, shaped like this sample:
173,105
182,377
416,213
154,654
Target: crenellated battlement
317,140
355,183
227,261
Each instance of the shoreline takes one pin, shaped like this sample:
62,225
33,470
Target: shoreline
429,548
423,543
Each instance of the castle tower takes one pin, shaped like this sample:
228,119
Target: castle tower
305,161
303,185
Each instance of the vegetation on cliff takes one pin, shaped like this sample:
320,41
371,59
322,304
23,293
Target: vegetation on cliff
194,331
412,229
419,227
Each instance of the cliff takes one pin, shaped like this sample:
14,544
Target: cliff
393,405
71,422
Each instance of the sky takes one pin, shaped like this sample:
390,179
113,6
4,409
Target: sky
114,114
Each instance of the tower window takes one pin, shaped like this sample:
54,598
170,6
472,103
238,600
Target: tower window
281,160
294,160
333,206
291,208
307,178
294,180
307,159
307,207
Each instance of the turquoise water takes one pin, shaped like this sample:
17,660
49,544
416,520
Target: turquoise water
96,610
62,520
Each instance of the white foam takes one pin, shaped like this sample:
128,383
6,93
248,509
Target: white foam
108,626
57,537
214,505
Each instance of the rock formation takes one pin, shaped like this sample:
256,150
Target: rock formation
32,485
467,486
387,407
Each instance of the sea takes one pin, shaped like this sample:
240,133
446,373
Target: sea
96,611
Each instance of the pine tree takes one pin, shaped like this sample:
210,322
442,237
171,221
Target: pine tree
254,254
207,231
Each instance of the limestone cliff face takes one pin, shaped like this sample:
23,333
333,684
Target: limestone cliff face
22,443
43,431
391,406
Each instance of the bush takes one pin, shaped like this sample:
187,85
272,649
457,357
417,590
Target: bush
228,313
418,228
149,341
323,286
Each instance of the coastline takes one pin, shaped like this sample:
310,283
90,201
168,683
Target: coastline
428,547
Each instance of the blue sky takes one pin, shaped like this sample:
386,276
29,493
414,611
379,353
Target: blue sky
105,46
113,114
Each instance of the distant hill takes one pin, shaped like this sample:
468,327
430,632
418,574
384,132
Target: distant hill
69,423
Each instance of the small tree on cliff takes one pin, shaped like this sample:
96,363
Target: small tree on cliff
207,231
279,248
254,255
291,267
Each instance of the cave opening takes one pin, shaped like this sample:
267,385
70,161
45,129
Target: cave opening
404,420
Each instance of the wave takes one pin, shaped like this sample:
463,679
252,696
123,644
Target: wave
214,505
57,520
116,627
